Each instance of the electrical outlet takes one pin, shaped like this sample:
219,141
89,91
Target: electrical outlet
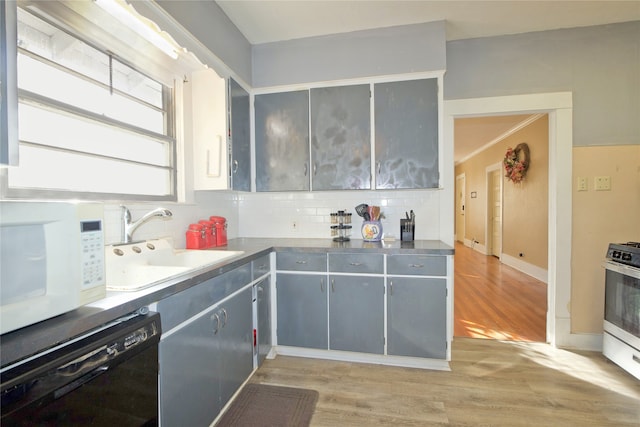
582,184
294,225
602,183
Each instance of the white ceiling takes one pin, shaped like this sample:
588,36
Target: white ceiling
264,21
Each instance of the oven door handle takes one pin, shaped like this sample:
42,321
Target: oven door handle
623,269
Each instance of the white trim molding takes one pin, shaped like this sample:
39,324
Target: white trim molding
559,106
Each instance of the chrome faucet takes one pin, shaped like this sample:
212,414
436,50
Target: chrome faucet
129,227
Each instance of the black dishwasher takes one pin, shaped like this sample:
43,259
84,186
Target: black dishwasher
109,377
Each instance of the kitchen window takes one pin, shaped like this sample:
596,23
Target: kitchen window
90,124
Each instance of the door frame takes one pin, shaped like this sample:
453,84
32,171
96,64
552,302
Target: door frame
559,107
488,238
461,215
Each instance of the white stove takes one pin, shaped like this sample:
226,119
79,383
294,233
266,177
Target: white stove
621,342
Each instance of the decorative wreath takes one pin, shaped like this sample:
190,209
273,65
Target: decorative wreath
516,162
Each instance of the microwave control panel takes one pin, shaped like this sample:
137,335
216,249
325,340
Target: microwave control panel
92,247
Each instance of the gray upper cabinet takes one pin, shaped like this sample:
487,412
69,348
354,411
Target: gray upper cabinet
8,84
240,132
341,138
406,134
282,141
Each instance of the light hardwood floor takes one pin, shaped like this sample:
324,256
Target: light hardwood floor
495,301
490,383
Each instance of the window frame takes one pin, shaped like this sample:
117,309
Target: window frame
170,106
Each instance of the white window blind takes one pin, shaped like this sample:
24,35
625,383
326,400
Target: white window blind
89,124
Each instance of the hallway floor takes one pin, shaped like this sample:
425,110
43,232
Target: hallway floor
495,301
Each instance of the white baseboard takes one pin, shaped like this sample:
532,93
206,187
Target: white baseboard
378,359
566,339
529,269
475,246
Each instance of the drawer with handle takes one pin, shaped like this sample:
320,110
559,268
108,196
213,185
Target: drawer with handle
301,261
356,263
417,265
260,266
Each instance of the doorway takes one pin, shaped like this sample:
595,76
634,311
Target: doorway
496,294
559,106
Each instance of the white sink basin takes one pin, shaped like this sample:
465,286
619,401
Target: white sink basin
136,266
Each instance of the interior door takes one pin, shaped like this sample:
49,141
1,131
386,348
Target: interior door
496,211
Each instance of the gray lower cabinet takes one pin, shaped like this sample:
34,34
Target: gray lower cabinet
417,317
263,297
205,361
356,313
302,310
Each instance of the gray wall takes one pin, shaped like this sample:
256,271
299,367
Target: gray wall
207,22
599,64
383,51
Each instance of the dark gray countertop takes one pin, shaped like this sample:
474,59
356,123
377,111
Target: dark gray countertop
20,344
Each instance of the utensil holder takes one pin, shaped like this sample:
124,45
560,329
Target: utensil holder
371,231
407,230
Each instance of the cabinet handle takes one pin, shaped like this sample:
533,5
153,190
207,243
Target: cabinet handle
333,285
217,328
315,168
306,168
235,166
226,316
378,167
416,265
391,288
302,261
321,285
355,264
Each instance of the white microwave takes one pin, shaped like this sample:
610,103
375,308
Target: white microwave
51,260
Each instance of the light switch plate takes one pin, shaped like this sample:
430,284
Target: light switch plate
582,183
602,183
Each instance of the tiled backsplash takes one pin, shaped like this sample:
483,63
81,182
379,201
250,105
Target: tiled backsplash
274,214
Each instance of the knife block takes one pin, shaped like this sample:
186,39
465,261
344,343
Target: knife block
407,230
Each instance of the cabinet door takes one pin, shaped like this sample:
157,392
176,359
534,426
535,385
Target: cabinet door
240,131
209,131
188,373
282,141
341,138
302,310
235,344
264,319
8,84
356,314
417,317
406,129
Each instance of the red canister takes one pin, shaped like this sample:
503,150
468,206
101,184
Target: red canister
209,233
195,236
220,224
